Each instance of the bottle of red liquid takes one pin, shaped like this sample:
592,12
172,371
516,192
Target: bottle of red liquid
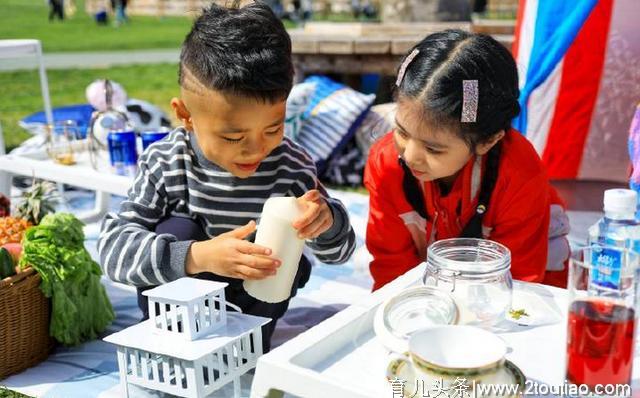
600,342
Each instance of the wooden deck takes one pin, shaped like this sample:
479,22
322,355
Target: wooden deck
355,48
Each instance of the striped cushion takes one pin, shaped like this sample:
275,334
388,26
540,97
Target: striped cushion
297,104
333,115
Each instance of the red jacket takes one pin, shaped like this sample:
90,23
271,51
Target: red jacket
517,215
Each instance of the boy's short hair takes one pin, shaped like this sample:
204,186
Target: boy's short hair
243,51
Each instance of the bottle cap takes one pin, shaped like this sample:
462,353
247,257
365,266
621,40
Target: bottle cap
620,201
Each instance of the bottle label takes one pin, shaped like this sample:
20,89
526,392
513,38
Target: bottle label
607,264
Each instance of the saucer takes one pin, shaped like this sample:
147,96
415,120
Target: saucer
508,374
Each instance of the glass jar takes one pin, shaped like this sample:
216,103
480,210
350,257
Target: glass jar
60,141
476,272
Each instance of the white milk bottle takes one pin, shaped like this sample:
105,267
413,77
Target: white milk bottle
276,232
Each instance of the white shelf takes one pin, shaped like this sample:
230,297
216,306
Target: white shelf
144,336
184,290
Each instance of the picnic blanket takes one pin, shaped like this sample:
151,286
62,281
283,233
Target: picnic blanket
91,370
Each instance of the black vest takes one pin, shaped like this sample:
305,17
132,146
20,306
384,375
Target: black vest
473,229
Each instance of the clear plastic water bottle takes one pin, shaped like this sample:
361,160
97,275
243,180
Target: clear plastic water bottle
618,228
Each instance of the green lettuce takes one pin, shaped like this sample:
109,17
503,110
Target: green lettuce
55,248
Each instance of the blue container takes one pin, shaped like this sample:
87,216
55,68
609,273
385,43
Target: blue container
122,152
149,137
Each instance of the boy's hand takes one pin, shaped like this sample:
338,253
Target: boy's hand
316,217
230,255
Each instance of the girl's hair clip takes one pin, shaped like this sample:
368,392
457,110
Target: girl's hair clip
405,65
469,101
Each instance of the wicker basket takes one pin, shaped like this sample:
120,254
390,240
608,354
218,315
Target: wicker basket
24,323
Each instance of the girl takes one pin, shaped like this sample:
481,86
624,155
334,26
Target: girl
453,167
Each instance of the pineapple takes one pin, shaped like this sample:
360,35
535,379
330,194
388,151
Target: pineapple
12,229
37,202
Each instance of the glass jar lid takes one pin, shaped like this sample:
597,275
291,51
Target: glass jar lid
411,310
469,256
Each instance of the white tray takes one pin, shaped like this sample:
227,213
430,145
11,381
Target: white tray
341,357
338,358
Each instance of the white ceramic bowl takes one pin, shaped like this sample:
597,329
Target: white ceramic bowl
458,347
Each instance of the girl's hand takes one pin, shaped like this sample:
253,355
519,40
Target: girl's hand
316,217
230,255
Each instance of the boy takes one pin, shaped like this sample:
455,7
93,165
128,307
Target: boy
197,192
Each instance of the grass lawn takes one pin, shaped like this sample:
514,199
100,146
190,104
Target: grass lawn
28,19
154,83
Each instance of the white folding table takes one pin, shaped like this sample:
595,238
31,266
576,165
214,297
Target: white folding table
82,174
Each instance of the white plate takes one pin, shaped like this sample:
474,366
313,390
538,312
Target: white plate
540,308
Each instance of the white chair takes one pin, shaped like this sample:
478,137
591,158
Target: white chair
30,48
10,49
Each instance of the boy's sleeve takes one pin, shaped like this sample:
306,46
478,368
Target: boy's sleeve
130,252
337,244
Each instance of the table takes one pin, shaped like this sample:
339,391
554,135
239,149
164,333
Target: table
82,174
342,358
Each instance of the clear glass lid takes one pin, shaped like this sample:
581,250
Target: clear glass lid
418,308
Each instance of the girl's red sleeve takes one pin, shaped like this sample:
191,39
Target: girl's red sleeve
388,240
522,224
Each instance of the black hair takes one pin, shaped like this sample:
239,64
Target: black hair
435,76
243,51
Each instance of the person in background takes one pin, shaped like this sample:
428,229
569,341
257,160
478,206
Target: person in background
56,9
480,7
302,11
364,8
276,6
120,10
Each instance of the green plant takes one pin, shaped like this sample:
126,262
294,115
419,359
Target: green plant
80,307
6,393
37,201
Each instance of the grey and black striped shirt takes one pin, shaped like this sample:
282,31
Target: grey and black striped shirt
176,179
